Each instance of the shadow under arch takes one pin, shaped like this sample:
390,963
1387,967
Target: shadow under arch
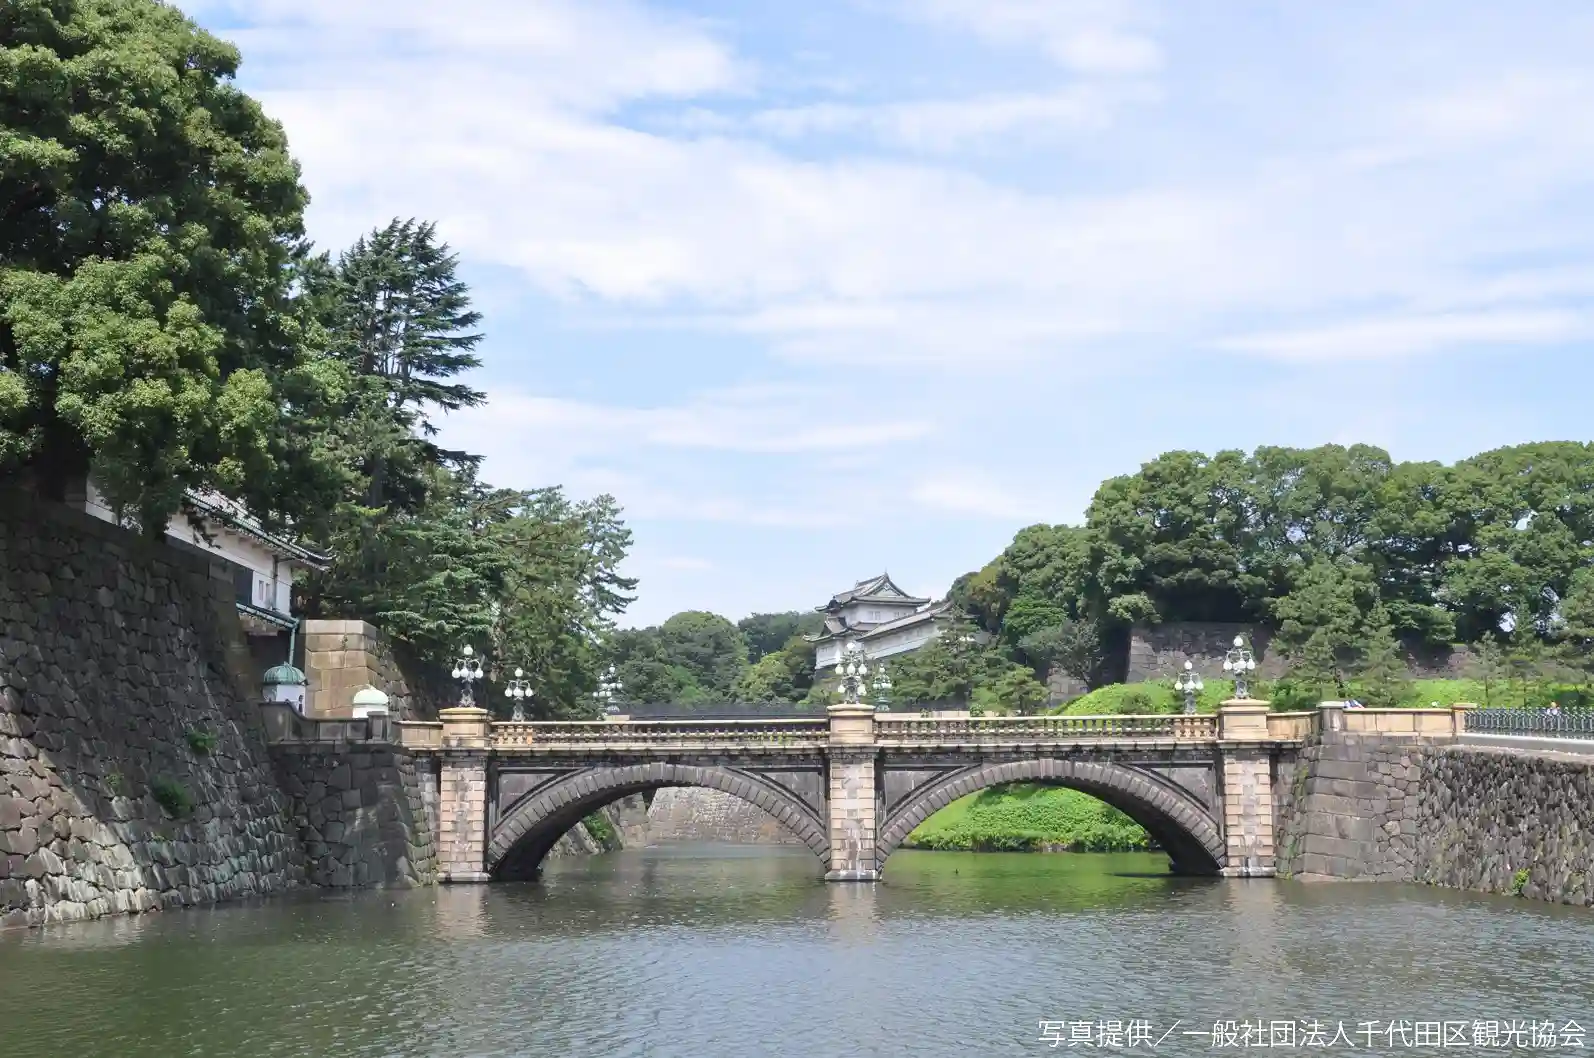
1181,826
535,822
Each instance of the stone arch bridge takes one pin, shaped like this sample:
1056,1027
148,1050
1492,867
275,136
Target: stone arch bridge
853,784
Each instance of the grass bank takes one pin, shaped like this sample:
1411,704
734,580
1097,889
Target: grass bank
1028,817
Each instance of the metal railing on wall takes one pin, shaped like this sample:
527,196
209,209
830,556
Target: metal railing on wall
1569,723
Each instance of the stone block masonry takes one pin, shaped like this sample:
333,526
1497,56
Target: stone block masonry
1507,821
361,815
1351,808
1401,809
689,813
134,773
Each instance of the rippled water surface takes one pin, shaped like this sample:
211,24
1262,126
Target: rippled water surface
711,951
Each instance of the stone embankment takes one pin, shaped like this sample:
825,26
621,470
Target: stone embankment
687,813
134,773
1380,808
361,816
627,828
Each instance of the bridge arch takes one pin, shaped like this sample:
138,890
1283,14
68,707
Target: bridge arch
532,826
1181,826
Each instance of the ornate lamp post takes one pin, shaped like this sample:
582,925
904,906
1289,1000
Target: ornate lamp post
881,685
519,692
1241,663
609,689
853,670
1189,684
467,670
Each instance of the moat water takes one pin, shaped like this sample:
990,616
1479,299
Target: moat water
739,952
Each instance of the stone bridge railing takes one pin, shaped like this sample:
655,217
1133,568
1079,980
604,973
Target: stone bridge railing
806,733
893,728
889,729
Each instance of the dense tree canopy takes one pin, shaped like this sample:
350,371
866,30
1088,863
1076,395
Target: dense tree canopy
150,225
165,326
1346,553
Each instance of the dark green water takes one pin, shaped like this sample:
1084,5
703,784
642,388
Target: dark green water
725,952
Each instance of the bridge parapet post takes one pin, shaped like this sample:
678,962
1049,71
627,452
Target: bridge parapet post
462,795
853,799
1247,764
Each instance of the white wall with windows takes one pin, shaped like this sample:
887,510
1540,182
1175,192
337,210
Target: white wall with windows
270,577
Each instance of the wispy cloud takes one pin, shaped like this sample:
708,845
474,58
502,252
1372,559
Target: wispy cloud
1378,339
968,494
1087,36
767,420
1006,242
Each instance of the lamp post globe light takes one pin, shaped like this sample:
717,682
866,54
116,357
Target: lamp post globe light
467,670
1240,663
608,692
853,670
519,692
1189,684
881,685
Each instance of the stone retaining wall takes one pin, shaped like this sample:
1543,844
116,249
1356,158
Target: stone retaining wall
1158,652
1385,808
120,662
628,818
691,813
360,814
1351,808
1486,816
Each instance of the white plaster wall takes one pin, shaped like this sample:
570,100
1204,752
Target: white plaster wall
273,577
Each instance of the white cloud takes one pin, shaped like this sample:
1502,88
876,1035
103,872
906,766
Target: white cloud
505,136
944,125
768,420
584,54
970,494
1089,36
1407,336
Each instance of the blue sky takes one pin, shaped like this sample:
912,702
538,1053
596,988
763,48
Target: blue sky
824,288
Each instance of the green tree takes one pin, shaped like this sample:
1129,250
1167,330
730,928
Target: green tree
1176,541
1577,625
560,593
766,633
1384,676
1322,624
1012,690
692,657
1073,647
150,223
402,324
1029,614
785,675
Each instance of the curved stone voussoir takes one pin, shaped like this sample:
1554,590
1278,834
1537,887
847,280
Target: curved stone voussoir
527,831
1186,830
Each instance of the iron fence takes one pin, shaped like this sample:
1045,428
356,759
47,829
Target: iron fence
1569,723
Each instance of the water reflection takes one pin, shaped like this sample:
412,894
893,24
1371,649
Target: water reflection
714,951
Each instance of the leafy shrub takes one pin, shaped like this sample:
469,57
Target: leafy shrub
201,741
172,795
1519,882
602,831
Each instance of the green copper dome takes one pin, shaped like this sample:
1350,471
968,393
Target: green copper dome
280,674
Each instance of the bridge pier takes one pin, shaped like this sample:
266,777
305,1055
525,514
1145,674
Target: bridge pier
462,795
1246,763
854,798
